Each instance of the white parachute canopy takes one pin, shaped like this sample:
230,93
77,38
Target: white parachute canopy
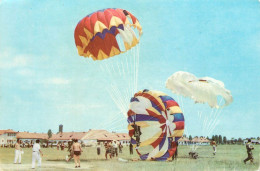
201,90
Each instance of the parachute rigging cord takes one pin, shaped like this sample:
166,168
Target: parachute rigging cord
201,90
111,38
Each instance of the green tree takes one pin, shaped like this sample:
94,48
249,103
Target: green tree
216,139
49,133
190,137
220,139
240,141
225,140
232,141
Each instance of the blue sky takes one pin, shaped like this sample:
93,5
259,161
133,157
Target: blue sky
44,82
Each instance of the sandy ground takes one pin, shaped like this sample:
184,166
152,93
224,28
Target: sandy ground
45,166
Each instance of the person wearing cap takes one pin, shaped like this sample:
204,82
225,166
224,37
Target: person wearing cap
36,154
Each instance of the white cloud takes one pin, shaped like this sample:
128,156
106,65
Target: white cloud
56,81
10,59
79,109
25,72
18,61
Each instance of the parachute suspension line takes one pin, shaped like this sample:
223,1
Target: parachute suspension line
125,106
118,125
213,127
138,58
186,129
210,122
133,70
108,70
123,95
128,76
127,94
115,123
117,99
215,117
118,103
110,120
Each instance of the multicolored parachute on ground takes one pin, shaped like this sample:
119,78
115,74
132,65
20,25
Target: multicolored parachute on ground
161,123
201,90
98,34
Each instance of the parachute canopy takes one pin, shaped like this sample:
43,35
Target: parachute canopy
201,90
98,34
161,123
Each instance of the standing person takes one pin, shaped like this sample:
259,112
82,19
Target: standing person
131,148
174,145
36,154
249,148
120,147
214,145
58,146
98,148
62,146
115,146
70,150
76,147
18,152
108,150
137,133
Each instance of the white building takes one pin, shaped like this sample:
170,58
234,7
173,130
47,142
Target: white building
7,137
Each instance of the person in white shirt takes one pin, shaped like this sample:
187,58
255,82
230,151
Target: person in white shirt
36,154
18,152
115,146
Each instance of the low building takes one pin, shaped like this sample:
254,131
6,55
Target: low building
64,137
184,141
94,136
30,138
7,137
253,141
200,141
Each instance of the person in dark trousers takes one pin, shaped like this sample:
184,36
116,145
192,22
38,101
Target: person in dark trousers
120,147
137,133
98,148
249,148
175,155
131,148
71,153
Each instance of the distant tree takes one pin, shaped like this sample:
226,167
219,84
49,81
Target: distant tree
207,137
190,137
232,141
213,137
216,139
240,141
220,139
49,133
225,140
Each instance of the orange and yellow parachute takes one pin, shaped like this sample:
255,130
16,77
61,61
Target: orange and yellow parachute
96,35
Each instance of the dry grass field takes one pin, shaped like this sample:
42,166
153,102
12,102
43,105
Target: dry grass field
228,157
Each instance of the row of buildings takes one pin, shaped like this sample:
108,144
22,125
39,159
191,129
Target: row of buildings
90,137
8,137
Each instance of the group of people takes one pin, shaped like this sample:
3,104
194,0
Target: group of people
36,153
111,149
249,148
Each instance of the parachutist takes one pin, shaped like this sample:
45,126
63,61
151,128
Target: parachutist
249,149
193,155
137,133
